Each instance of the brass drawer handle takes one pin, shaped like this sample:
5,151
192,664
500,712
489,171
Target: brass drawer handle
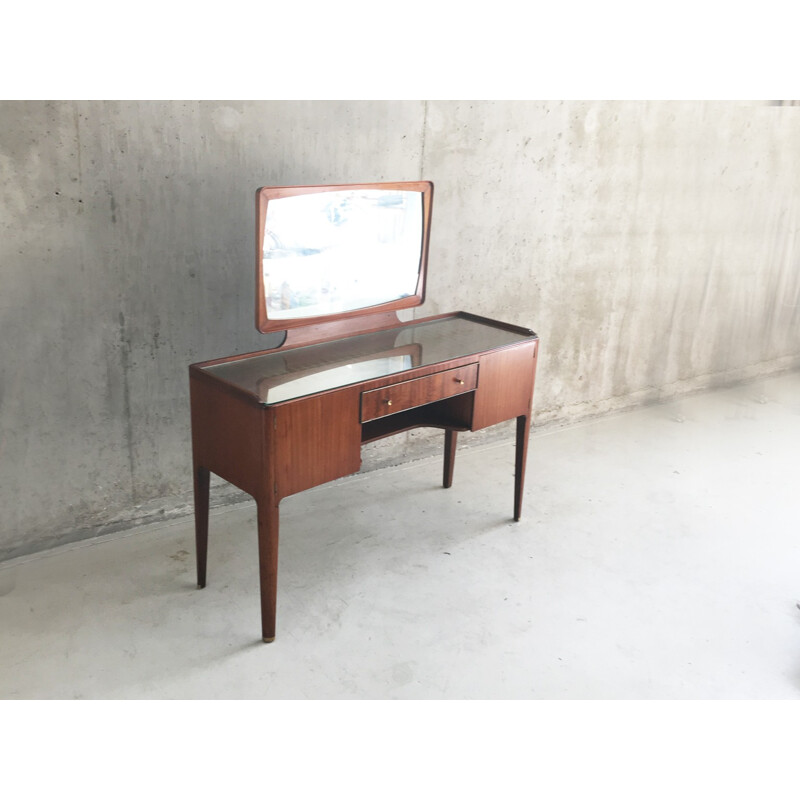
459,381
388,402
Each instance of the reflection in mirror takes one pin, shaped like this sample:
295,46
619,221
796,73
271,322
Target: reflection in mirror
332,252
343,375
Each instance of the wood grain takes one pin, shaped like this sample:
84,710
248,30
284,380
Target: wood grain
227,434
268,564
506,385
316,439
419,392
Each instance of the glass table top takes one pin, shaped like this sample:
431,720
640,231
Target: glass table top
275,377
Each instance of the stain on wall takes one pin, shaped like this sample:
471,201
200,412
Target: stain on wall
653,246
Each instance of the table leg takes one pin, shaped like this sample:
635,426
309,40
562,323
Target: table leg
523,431
450,438
202,479
268,565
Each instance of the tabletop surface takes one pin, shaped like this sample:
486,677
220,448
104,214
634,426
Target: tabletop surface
279,376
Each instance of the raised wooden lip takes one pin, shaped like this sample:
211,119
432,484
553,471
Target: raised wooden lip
266,193
507,326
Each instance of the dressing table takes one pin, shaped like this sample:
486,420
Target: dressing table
334,264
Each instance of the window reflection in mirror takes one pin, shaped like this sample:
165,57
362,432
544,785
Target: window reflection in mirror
331,252
333,377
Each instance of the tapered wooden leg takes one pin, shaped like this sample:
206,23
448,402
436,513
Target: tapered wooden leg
450,438
201,488
523,430
268,565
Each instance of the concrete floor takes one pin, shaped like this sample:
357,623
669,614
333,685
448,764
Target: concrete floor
658,557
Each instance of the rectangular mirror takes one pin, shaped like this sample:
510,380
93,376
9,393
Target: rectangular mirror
325,253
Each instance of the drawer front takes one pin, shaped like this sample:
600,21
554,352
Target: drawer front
419,392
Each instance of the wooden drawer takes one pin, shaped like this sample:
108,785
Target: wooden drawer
419,392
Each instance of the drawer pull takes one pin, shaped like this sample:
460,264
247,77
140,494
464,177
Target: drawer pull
388,402
459,381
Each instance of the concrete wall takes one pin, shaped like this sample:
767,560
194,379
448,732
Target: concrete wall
653,246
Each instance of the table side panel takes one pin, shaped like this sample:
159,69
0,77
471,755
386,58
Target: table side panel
227,435
317,439
505,389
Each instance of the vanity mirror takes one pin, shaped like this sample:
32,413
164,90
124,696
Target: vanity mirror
333,252
334,264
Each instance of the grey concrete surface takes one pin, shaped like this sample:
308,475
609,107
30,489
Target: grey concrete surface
657,557
652,245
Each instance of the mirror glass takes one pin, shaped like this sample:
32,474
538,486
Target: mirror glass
337,251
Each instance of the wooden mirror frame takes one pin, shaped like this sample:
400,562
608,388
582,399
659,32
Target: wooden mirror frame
266,193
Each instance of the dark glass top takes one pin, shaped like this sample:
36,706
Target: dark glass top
279,376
